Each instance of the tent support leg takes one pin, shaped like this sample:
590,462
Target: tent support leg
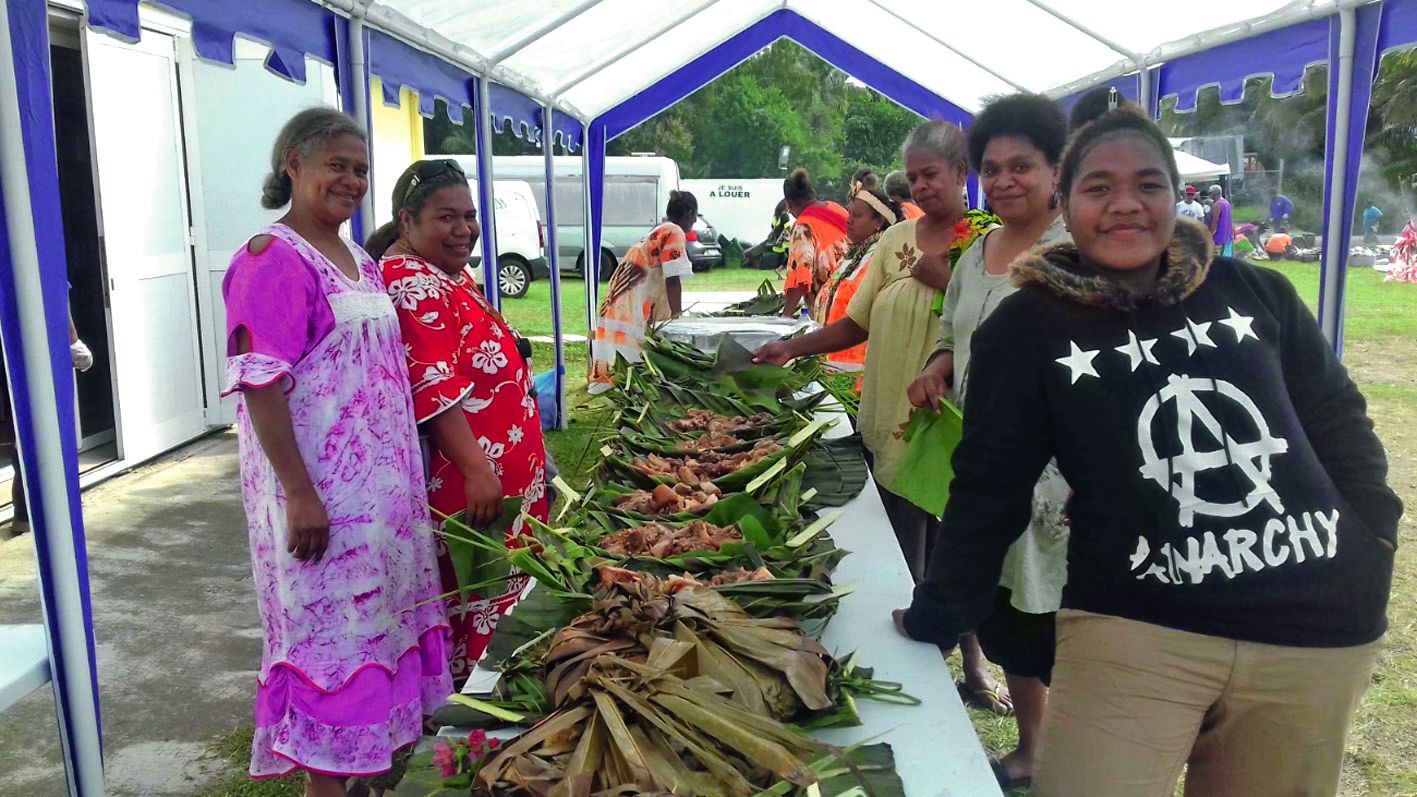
34,328
553,262
485,193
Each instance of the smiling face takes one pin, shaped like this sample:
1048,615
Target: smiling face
1119,210
331,181
444,232
936,184
861,221
1017,179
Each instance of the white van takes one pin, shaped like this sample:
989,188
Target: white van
636,194
521,241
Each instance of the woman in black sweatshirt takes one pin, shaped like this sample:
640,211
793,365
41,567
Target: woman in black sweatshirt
1232,528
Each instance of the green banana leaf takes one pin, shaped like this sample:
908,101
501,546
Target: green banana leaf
926,471
478,556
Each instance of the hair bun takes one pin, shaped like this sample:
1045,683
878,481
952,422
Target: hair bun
275,191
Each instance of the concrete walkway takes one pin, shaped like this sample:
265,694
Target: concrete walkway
178,636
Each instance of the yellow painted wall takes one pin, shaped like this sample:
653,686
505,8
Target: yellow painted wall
398,141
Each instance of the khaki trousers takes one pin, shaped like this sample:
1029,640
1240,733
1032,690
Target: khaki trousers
1132,703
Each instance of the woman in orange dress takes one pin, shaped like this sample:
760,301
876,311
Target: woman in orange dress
645,289
869,213
817,244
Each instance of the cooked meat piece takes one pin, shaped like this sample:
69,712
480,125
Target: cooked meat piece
659,541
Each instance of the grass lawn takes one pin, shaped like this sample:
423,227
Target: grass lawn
1380,352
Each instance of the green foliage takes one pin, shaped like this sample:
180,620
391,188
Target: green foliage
783,96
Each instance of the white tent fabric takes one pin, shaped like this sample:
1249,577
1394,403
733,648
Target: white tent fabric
1195,169
586,56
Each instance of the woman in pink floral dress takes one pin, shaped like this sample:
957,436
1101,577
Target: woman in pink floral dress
472,388
341,545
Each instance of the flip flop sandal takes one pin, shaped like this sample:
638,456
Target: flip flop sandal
1006,783
990,699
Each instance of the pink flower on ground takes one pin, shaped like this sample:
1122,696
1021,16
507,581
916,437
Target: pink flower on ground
493,744
477,740
445,759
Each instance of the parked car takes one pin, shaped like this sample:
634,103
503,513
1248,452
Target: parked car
636,193
521,239
705,253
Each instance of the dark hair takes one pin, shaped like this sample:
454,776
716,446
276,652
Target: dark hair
1095,103
866,178
1032,117
1126,120
304,134
681,203
781,207
798,186
896,185
891,204
418,182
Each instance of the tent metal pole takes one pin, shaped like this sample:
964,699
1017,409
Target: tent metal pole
1335,251
633,46
507,51
553,260
1195,44
359,73
1083,29
1144,91
486,193
590,257
53,489
936,39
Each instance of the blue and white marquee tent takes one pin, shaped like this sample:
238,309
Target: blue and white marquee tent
582,72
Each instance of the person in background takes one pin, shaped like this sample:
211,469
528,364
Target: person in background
897,187
356,642
865,178
817,243
869,214
897,306
82,360
1206,590
772,251
1222,224
1279,245
1280,208
1371,216
472,386
645,288
1015,144
1190,207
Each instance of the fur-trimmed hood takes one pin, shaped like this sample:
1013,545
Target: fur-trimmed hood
1058,268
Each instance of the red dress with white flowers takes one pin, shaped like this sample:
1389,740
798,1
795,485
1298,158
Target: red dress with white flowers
462,353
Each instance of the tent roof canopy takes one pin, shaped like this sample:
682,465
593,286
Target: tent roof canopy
588,56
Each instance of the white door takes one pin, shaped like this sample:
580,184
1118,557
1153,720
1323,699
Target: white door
143,207
229,150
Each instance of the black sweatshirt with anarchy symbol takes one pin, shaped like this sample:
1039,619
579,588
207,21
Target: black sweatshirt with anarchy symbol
1227,480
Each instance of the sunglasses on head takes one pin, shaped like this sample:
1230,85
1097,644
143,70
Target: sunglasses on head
434,168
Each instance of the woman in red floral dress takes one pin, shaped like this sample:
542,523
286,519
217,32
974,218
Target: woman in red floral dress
472,389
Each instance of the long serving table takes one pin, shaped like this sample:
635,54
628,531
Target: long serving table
936,751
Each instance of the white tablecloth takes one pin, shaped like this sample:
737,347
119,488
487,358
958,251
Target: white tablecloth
936,750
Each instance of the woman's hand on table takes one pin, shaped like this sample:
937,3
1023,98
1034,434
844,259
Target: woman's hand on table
309,535
775,353
933,270
483,492
898,618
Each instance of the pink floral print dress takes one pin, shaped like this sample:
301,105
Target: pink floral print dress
352,661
